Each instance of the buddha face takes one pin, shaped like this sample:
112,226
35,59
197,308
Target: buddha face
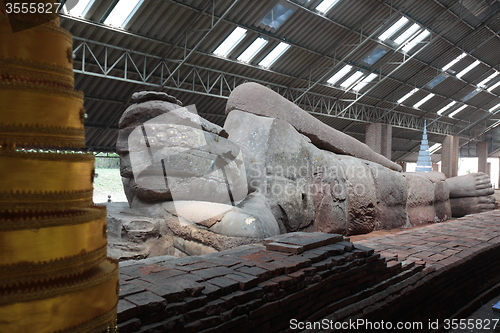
175,155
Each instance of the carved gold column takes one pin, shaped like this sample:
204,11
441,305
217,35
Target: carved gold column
54,275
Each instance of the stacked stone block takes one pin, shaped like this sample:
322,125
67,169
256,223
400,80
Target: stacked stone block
253,287
431,273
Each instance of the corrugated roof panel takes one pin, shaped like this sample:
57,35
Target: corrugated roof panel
451,27
171,21
355,16
489,52
425,15
433,51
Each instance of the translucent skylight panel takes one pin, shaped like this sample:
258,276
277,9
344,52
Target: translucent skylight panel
405,97
230,42
407,34
340,74
415,41
457,110
437,80
446,107
361,84
395,27
122,12
277,52
252,50
482,84
80,9
423,100
375,56
493,87
495,107
454,61
351,80
434,148
468,68
326,5
470,95
277,16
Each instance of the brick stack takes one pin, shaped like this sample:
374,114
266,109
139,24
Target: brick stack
460,258
298,275
430,273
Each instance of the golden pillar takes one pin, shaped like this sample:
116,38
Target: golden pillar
54,275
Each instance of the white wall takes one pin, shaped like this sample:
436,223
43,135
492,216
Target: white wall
469,165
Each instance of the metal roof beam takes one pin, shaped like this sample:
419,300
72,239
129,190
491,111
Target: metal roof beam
209,82
219,20
337,62
317,82
488,114
405,60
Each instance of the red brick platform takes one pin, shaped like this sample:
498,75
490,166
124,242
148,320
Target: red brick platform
418,275
440,245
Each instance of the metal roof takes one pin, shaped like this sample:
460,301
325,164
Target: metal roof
168,45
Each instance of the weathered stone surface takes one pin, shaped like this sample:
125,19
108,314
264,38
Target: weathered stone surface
281,247
140,230
198,164
497,195
316,190
188,247
428,197
253,219
149,191
435,176
125,166
126,188
135,236
470,185
230,226
303,240
420,199
147,301
122,140
441,200
303,184
144,96
174,130
137,114
162,113
270,288
471,205
126,310
257,99
272,169
471,193
392,195
362,197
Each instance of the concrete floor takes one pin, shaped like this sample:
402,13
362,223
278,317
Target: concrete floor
482,316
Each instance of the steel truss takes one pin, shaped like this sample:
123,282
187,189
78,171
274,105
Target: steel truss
107,61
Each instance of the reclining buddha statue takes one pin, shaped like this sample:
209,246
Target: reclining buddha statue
273,168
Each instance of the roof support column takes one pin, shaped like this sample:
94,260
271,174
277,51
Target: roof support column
373,137
449,156
386,141
379,138
482,156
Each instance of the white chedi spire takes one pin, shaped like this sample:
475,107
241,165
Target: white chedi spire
424,163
